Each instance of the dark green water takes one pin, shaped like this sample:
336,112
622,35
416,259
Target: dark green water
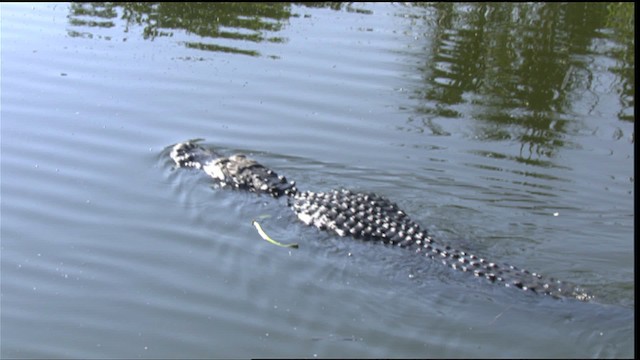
505,129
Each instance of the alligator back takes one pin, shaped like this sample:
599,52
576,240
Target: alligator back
371,217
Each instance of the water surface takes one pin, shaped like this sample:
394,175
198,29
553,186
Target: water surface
505,129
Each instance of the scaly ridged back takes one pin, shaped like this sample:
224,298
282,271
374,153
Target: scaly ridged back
371,217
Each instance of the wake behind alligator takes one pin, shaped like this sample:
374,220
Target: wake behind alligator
364,216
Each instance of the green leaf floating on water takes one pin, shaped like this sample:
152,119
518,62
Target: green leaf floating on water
266,237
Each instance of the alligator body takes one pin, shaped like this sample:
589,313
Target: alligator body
364,216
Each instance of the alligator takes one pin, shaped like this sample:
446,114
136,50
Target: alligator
362,215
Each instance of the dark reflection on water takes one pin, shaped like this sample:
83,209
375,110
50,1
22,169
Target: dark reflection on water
516,61
252,22
520,66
